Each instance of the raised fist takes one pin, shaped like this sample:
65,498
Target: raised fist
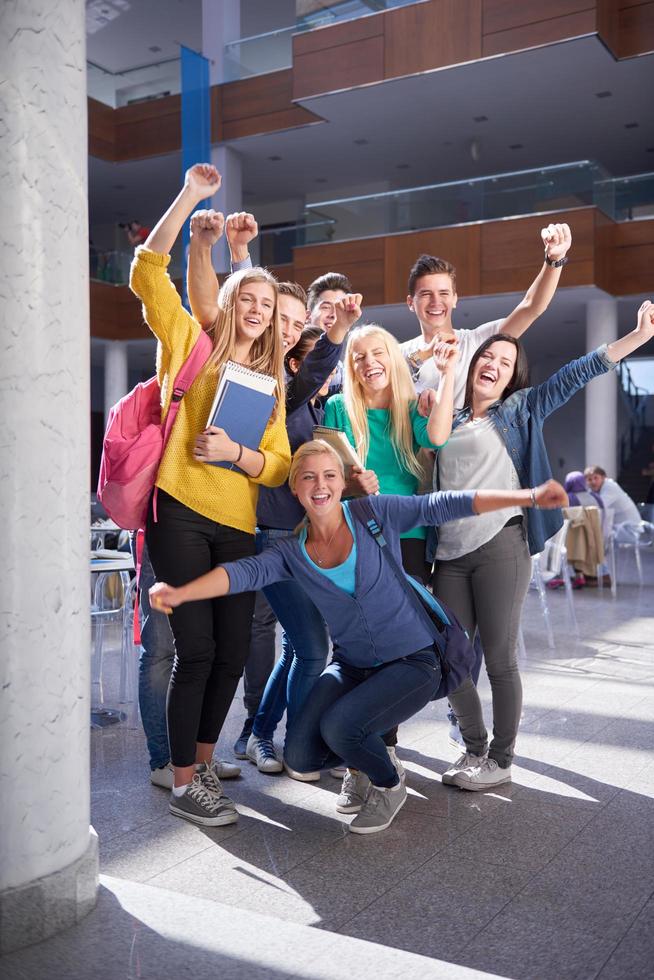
202,180
645,323
240,229
446,354
348,310
557,240
207,226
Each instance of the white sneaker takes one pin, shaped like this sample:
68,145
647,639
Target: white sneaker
338,772
485,775
399,768
354,791
165,776
302,777
226,770
261,751
464,761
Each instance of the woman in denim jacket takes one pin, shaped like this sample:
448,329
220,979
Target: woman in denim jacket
483,568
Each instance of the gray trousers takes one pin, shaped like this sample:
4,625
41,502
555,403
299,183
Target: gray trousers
486,590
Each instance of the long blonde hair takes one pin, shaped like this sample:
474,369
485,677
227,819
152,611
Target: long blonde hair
315,447
267,351
403,397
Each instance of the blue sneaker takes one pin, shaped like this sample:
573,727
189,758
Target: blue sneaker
241,743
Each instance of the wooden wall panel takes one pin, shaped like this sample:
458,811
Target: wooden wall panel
362,261
459,245
540,32
635,28
632,258
424,36
506,15
102,130
149,128
336,68
256,105
335,35
116,313
511,251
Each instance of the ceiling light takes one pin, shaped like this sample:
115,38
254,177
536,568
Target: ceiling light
360,142
321,180
155,48
448,143
403,166
603,95
119,187
274,157
516,146
480,118
631,125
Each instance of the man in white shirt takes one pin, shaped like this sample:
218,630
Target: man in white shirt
626,516
432,297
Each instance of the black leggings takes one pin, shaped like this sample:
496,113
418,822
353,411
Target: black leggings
212,636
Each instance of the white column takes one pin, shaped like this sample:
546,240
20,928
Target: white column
48,851
115,374
221,23
602,393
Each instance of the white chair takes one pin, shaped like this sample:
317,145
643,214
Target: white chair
128,685
554,564
108,608
632,537
538,584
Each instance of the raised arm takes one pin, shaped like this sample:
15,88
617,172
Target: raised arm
201,282
201,181
557,240
439,423
642,332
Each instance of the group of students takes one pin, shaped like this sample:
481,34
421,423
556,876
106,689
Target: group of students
280,524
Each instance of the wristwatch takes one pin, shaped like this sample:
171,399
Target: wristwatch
555,264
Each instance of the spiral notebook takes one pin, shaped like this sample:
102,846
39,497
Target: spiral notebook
242,406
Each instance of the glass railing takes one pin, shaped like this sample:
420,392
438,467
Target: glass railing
560,188
112,265
140,84
276,244
272,51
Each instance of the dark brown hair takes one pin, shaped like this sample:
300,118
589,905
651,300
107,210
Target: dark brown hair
299,351
520,376
293,289
427,265
330,280
595,471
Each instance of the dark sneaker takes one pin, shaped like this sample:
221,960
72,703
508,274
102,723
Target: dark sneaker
261,751
380,809
241,743
353,791
200,805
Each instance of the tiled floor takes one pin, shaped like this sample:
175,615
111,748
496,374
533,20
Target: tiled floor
551,877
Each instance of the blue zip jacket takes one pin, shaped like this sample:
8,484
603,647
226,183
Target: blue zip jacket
519,420
378,623
277,507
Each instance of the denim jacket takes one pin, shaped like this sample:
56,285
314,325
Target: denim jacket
519,420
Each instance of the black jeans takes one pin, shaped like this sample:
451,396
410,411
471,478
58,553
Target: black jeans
212,636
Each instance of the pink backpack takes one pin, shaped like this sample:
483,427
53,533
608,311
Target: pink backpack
135,440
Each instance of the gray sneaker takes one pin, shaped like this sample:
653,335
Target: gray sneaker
353,791
463,762
200,805
380,809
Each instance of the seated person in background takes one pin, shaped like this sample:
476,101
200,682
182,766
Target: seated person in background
626,516
580,496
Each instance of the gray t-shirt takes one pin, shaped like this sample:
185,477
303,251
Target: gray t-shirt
475,458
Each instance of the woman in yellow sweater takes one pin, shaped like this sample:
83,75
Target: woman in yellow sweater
205,515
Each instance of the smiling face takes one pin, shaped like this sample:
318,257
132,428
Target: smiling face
318,483
494,370
433,301
595,481
371,362
292,314
255,306
323,314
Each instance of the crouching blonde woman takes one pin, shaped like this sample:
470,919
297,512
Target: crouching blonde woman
384,668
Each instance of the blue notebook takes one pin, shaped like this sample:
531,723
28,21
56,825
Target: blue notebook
242,407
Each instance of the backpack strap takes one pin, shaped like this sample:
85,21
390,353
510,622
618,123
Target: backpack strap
433,616
183,381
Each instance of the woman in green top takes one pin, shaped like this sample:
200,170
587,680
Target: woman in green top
378,412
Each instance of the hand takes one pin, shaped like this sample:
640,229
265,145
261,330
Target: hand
446,354
240,229
164,598
645,322
557,240
207,227
215,446
426,401
348,310
364,481
202,180
550,495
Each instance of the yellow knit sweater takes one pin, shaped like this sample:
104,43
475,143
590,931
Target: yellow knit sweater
225,496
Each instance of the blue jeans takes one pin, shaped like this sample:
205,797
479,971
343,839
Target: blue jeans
305,645
155,667
351,707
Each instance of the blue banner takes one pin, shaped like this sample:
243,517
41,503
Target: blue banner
196,127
